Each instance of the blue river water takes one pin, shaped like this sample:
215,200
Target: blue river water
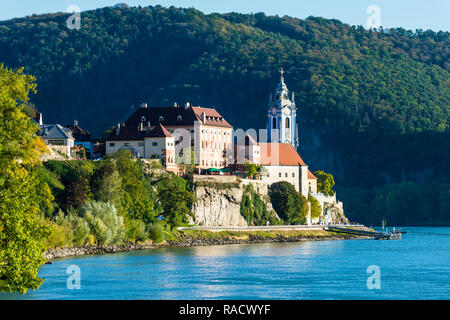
416,267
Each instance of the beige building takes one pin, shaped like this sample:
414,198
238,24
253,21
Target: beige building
151,143
202,132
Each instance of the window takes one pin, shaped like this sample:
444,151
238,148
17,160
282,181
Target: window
143,119
279,175
126,144
112,144
155,144
140,144
286,174
288,123
179,118
56,142
274,123
293,174
161,118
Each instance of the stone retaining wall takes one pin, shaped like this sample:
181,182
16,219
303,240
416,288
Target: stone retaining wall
186,241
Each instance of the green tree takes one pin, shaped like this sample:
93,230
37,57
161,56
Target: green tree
252,169
108,185
175,199
22,236
316,209
137,198
290,205
325,182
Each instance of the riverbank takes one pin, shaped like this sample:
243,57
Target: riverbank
192,238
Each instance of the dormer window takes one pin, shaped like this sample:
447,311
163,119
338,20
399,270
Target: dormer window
179,118
161,118
143,119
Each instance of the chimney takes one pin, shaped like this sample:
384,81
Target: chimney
75,123
203,117
187,105
118,129
143,105
141,126
41,122
148,126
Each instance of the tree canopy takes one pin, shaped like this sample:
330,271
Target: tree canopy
325,182
290,205
22,237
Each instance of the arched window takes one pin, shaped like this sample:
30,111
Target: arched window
179,118
161,118
274,123
288,124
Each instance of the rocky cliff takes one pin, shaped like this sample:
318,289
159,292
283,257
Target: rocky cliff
218,207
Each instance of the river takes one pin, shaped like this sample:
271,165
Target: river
416,267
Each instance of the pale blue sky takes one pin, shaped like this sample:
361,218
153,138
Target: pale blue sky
409,14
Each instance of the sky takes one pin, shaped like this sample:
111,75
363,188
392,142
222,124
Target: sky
408,14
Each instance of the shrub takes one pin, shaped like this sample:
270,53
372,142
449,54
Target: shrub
61,232
104,222
156,232
136,230
80,229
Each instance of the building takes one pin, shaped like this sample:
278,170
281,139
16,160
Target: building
281,116
202,130
148,143
82,138
281,162
58,137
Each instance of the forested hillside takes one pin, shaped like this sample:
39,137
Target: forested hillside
378,101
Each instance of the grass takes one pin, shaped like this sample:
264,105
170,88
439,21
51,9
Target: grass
245,235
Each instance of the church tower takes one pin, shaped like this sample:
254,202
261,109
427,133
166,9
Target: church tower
281,116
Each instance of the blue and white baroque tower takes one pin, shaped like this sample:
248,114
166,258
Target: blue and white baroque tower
281,116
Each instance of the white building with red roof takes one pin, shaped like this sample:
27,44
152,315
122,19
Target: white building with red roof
281,162
203,131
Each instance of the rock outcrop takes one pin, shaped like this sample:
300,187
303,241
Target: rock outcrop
218,207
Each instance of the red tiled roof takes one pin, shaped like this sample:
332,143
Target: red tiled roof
213,118
279,154
311,175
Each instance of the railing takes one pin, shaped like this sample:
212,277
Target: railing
345,225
